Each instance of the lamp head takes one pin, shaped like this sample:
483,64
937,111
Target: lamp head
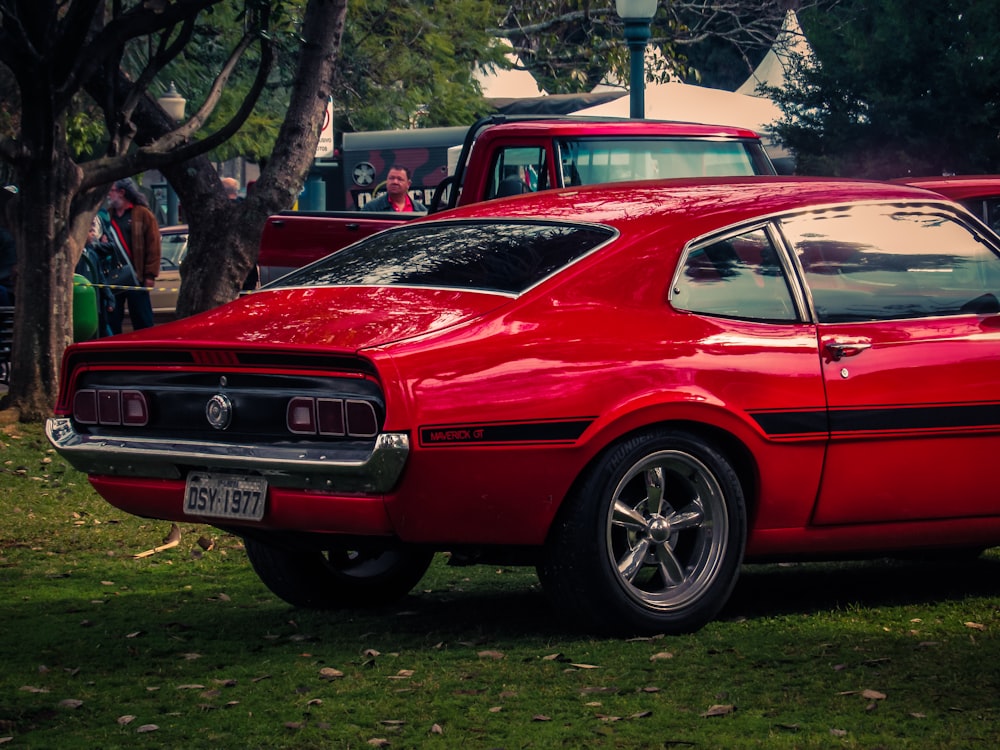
636,10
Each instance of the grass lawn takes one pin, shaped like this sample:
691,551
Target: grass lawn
185,648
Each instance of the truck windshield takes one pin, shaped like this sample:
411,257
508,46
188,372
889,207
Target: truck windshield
501,256
596,161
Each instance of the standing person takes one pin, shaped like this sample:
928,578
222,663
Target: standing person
397,195
135,228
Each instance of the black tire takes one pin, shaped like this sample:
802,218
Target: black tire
337,577
653,540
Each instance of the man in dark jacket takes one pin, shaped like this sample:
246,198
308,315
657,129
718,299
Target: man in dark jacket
134,227
397,195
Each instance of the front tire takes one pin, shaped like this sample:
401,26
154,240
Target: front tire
338,576
653,540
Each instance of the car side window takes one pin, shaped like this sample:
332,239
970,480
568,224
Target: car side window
887,262
736,277
517,170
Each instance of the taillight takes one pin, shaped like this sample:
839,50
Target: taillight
107,406
331,417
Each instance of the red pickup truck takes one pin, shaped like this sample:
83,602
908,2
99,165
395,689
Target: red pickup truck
503,156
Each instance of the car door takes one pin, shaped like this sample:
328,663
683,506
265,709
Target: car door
905,297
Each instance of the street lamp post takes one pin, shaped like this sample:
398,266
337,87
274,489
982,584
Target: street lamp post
637,15
173,104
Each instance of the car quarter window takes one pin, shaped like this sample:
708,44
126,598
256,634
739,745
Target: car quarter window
886,262
502,256
736,277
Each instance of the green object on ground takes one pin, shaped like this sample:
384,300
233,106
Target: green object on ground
84,309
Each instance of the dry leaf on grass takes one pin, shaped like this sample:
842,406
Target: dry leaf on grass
147,728
171,540
975,626
329,673
490,655
661,656
71,703
873,695
720,710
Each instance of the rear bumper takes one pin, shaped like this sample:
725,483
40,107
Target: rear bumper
287,509
285,466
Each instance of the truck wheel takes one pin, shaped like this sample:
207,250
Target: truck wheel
337,577
652,541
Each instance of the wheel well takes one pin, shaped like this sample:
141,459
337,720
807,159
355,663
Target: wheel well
733,449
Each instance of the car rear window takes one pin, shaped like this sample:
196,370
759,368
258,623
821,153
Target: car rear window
593,161
507,256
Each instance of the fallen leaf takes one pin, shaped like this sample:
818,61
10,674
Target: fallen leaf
661,656
490,655
496,709
873,695
206,544
403,674
436,729
71,703
329,673
641,715
191,686
838,732
541,717
147,728
975,625
379,742
720,710
126,719
585,666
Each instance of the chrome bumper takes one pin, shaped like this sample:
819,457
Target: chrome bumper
290,466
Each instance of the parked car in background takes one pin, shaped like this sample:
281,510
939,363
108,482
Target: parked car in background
633,387
979,193
174,243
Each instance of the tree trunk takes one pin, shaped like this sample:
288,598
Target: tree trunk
49,180
225,235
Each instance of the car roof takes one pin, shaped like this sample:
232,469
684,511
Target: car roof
584,127
701,204
957,187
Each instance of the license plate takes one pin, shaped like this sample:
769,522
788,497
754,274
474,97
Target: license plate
225,496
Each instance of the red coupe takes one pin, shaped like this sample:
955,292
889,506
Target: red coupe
634,387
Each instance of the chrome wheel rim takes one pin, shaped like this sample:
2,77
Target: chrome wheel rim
667,530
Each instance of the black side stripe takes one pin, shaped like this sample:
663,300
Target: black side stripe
505,432
841,422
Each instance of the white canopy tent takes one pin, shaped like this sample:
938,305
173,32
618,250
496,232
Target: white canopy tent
687,103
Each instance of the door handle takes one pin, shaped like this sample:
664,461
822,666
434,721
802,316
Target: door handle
840,349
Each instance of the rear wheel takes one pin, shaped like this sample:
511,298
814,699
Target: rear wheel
338,576
653,540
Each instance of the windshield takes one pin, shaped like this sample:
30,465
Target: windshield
500,256
593,161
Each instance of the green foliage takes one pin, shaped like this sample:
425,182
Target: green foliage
401,59
910,89
183,647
